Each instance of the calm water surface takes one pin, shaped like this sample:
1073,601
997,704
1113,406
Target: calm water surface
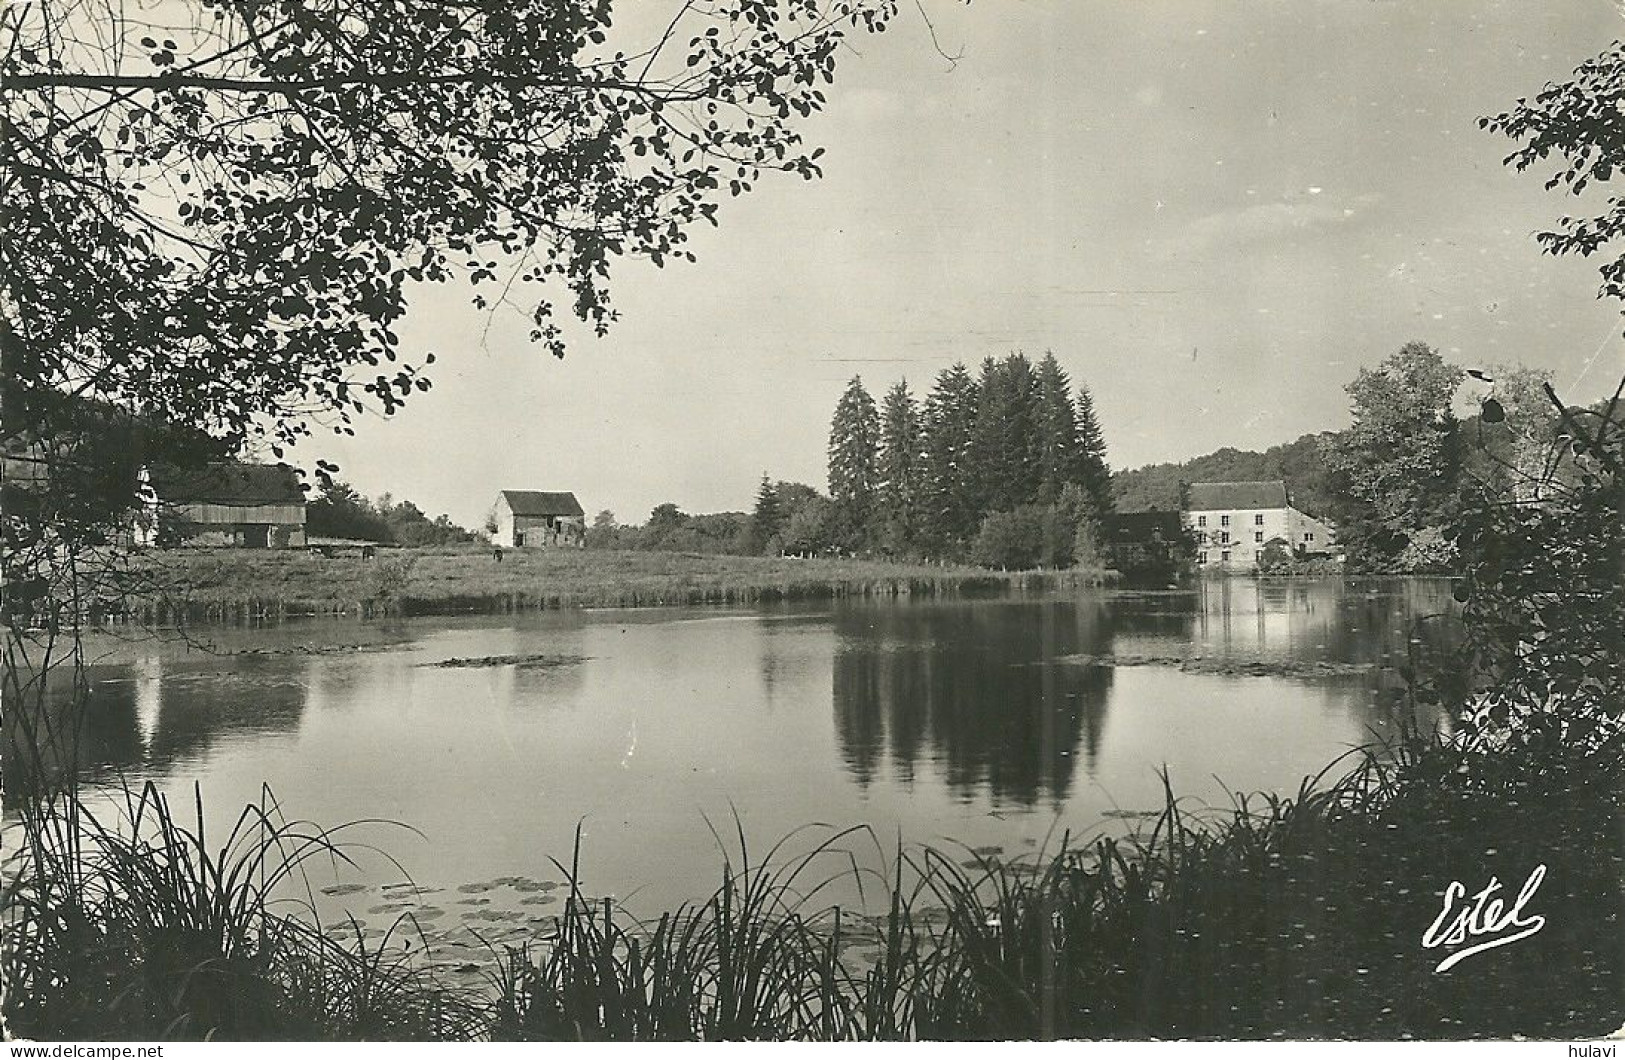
960,720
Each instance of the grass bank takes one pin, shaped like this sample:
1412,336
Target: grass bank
238,585
1278,917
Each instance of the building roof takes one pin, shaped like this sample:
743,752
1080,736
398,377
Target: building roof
541,502
234,484
1212,496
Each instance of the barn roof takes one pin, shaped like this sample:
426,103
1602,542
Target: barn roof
235,484
542,502
1209,496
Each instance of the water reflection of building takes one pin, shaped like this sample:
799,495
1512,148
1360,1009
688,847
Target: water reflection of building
973,691
1379,621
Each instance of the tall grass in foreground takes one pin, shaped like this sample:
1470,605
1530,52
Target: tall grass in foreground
1272,917
136,928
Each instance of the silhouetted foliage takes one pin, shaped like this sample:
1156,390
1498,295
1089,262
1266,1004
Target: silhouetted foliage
1578,122
215,208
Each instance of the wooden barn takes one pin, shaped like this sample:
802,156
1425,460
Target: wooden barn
538,519
230,505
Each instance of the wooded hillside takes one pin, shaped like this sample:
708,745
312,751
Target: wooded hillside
1299,463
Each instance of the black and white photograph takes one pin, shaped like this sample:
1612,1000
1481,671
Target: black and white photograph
837,521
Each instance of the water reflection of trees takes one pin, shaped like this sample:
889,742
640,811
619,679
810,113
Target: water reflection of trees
196,711
40,748
142,720
974,692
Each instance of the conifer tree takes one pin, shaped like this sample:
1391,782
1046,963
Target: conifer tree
950,511
1093,474
899,469
1005,464
767,519
1060,447
854,441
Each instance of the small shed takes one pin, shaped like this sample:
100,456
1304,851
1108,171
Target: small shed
230,505
539,519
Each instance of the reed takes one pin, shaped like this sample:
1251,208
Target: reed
238,586
124,922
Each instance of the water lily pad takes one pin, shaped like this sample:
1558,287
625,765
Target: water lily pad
389,907
344,888
525,885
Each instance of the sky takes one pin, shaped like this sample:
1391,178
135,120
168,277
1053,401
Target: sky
1214,213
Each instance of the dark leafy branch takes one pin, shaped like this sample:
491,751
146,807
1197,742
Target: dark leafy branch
216,224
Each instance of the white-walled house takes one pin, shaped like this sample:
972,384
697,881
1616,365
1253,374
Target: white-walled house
1234,522
538,518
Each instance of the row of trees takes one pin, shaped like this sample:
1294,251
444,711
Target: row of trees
1005,466
670,529
789,517
341,511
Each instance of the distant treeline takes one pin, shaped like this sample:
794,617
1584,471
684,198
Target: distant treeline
1301,464
670,529
341,511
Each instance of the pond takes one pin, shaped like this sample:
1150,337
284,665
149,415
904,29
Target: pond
990,724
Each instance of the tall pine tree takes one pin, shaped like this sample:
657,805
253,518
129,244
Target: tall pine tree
899,467
1060,447
949,504
854,441
1005,467
1093,473
767,520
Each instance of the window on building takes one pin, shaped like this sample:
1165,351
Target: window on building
1258,555
1224,537
1308,537
1224,557
1258,520
1258,536
1224,520
1201,557
1201,520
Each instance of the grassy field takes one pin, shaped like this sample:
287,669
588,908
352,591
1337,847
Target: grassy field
235,585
